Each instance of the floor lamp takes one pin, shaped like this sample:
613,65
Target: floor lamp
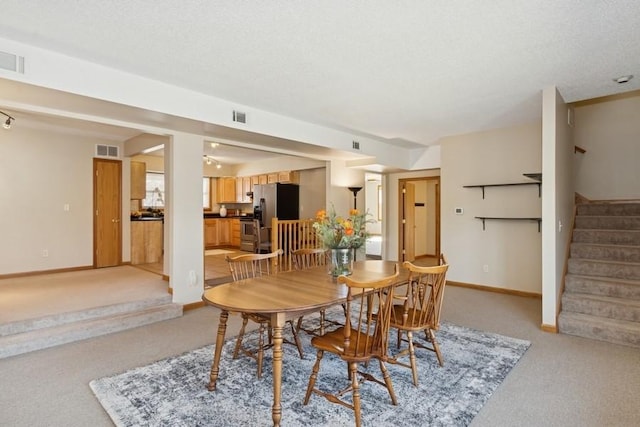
354,190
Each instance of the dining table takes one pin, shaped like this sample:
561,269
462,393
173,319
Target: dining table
282,297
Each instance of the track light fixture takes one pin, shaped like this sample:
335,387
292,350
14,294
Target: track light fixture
7,123
210,160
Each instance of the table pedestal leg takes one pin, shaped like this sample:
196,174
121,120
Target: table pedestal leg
276,411
215,367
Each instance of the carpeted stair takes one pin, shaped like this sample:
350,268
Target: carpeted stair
48,331
601,298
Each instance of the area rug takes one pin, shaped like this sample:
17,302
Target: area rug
172,392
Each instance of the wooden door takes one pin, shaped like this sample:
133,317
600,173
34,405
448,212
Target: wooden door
107,211
407,222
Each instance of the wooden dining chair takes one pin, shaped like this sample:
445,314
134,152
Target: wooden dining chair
362,338
255,265
419,311
309,258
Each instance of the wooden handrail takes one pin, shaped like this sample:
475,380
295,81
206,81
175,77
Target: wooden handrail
290,235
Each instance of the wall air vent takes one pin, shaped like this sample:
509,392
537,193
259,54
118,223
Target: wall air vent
239,117
355,145
11,62
110,151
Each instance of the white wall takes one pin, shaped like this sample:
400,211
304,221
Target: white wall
609,129
40,172
558,195
184,218
511,250
61,72
371,204
312,191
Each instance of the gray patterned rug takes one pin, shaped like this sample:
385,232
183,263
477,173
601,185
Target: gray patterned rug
172,392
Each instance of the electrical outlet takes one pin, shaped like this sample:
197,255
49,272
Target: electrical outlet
485,268
45,253
193,278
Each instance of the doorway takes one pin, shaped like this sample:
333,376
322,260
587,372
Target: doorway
419,214
107,212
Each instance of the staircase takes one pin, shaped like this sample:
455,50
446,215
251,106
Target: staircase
601,298
34,334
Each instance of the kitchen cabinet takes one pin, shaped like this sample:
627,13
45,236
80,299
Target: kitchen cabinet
224,232
210,232
220,232
138,181
146,242
272,178
263,179
235,232
290,177
226,190
246,188
255,180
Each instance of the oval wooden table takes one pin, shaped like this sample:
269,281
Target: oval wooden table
281,297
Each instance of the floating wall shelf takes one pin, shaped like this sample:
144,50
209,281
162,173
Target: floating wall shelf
505,185
484,218
534,176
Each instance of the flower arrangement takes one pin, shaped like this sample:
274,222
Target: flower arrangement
339,232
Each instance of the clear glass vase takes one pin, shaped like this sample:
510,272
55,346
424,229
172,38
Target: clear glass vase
341,261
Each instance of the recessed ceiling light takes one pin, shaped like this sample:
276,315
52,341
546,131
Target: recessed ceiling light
623,79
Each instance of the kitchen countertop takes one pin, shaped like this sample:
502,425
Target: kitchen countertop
217,215
147,218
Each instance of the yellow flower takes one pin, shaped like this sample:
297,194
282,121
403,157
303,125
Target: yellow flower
338,232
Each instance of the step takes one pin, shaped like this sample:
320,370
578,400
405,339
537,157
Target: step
27,325
593,222
69,332
624,253
611,237
604,286
608,209
614,331
602,306
613,269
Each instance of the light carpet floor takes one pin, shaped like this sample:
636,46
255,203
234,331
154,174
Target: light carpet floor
172,392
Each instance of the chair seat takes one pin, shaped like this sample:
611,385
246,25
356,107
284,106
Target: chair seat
412,322
333,342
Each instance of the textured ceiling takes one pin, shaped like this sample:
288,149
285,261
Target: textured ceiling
407,71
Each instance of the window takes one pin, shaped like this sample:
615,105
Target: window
155,191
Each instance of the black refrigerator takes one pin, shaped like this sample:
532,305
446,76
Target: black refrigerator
275,200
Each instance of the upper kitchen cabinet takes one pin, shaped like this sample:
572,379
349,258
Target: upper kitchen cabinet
246,188
290,177
138,180
226,190
255,180
272,178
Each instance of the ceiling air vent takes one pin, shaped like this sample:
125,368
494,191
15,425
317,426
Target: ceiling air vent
111,151
239,117
11,62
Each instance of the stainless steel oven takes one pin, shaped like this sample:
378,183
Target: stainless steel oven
247,235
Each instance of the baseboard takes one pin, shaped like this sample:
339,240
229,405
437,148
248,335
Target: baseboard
549,328
193,305
41,272
494,289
